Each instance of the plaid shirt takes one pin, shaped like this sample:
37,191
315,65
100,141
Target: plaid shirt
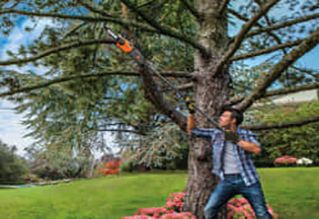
243,158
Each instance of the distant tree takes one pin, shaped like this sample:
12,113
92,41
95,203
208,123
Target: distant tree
12,167
61,162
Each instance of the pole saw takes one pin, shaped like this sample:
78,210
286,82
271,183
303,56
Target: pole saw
126,47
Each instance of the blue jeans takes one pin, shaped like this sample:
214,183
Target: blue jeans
232,185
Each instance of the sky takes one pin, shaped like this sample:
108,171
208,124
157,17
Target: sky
11,129
12,132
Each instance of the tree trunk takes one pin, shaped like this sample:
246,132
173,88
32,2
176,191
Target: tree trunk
211,91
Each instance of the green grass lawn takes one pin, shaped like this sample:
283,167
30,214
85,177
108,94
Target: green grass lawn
293,193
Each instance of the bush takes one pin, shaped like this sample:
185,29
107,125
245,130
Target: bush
296,141
59,164
165,147
236,208
240,208
175,201
171,210
12,167
285,161
304,161
110,168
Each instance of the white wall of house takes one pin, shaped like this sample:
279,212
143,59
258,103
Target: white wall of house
297,97
293,98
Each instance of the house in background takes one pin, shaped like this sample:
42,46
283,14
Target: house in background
290,99
297,97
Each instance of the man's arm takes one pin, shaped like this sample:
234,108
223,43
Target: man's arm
198,132
249,146
191,127
246,141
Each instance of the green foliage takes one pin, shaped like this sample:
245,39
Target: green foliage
296,141
12,167
165,147
59,163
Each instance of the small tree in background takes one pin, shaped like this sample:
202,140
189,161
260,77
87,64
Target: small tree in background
12,167
59,163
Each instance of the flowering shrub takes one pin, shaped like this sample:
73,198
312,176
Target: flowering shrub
236,208
175,201
171,210
240,208
110,167
304,161
137,217
154,212
285,160
175,215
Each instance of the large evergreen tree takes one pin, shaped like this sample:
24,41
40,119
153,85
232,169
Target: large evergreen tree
199,45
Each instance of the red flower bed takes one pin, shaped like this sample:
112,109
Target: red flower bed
285,160
137,217
236,208
175,215
175,201
171,210
110,167
240,208
154,212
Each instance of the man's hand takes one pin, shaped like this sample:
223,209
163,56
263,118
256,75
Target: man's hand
190,124
190,105
231,136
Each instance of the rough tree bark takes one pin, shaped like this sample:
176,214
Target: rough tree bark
210,91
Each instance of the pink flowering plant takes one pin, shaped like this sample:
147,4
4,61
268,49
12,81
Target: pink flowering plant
137,217
171,210
285,160
239,208
176,215
153,212
175,201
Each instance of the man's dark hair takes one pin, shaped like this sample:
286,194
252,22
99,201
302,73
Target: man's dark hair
237,114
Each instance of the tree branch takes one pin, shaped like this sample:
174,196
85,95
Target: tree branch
161,30
282,125
55,50
242,33
156,97
73,30
307,44
273,35
141,26
153,94
223,6
191,9
237,99
282,25
291,90
165,30
69,78
308,72
185,86
119,130
93,9
266,50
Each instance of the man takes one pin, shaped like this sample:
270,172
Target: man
232,148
